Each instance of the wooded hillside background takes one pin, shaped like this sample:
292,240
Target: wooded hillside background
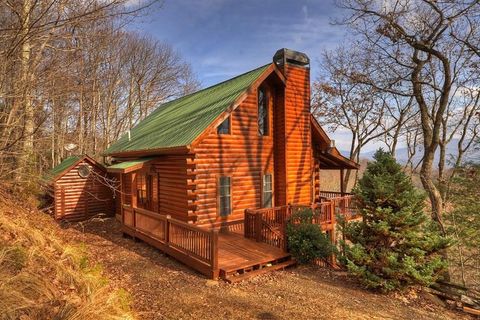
72,73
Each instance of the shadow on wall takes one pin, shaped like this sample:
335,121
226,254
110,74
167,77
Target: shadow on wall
297,100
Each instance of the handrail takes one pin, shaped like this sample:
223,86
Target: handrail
182,240
333,194
268,225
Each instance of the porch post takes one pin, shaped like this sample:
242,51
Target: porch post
134,201
214,253
342,186
258,227
122,197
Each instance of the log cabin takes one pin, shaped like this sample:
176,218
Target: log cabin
211,177
77,188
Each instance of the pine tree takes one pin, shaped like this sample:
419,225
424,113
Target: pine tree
394,245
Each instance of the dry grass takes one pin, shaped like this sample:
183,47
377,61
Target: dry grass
45,278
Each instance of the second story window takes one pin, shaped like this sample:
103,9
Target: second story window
224,127
262,112
224,196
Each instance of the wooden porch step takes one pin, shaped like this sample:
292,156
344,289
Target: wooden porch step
248,264
264,269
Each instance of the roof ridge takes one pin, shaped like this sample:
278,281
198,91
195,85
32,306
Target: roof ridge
165,104
219,84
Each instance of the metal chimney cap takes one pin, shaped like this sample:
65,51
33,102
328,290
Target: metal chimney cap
291,56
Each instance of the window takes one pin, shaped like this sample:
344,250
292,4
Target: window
267,191
224,127
142,190
225,196
84,171
262,113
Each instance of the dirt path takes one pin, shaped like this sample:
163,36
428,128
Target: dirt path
162,288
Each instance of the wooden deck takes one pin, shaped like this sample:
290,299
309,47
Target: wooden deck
236,251
240,258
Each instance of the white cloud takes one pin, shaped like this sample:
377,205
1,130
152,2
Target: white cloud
305,11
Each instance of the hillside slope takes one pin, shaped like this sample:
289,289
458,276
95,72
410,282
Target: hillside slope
44,277
51,273
161,288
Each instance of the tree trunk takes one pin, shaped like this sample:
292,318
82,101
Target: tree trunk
25,156
431,137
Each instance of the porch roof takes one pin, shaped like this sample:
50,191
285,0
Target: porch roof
331,159
328,155
129,166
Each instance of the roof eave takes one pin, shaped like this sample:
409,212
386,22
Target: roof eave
131,168
150,152
348,164
333,152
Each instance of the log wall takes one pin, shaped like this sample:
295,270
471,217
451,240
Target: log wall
244,155
175,192
172,191
78,198
280,178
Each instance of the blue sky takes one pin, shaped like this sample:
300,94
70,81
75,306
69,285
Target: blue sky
224,38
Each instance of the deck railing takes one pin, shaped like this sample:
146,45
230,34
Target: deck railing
333,194
195,246
268,225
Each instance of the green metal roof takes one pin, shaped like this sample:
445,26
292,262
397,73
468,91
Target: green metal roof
128,164
177,123
60,168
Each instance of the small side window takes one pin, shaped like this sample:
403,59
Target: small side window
267,191
224,127
225,196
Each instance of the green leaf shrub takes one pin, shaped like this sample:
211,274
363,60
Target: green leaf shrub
306,241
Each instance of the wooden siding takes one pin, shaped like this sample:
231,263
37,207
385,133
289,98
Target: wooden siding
175,195
171,186
244,155
78,198
298,135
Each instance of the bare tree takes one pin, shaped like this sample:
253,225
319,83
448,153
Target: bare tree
400,112
412,141
342,101
70,73
31,30
413,42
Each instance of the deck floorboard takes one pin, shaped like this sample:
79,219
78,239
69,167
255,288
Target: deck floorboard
237,252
